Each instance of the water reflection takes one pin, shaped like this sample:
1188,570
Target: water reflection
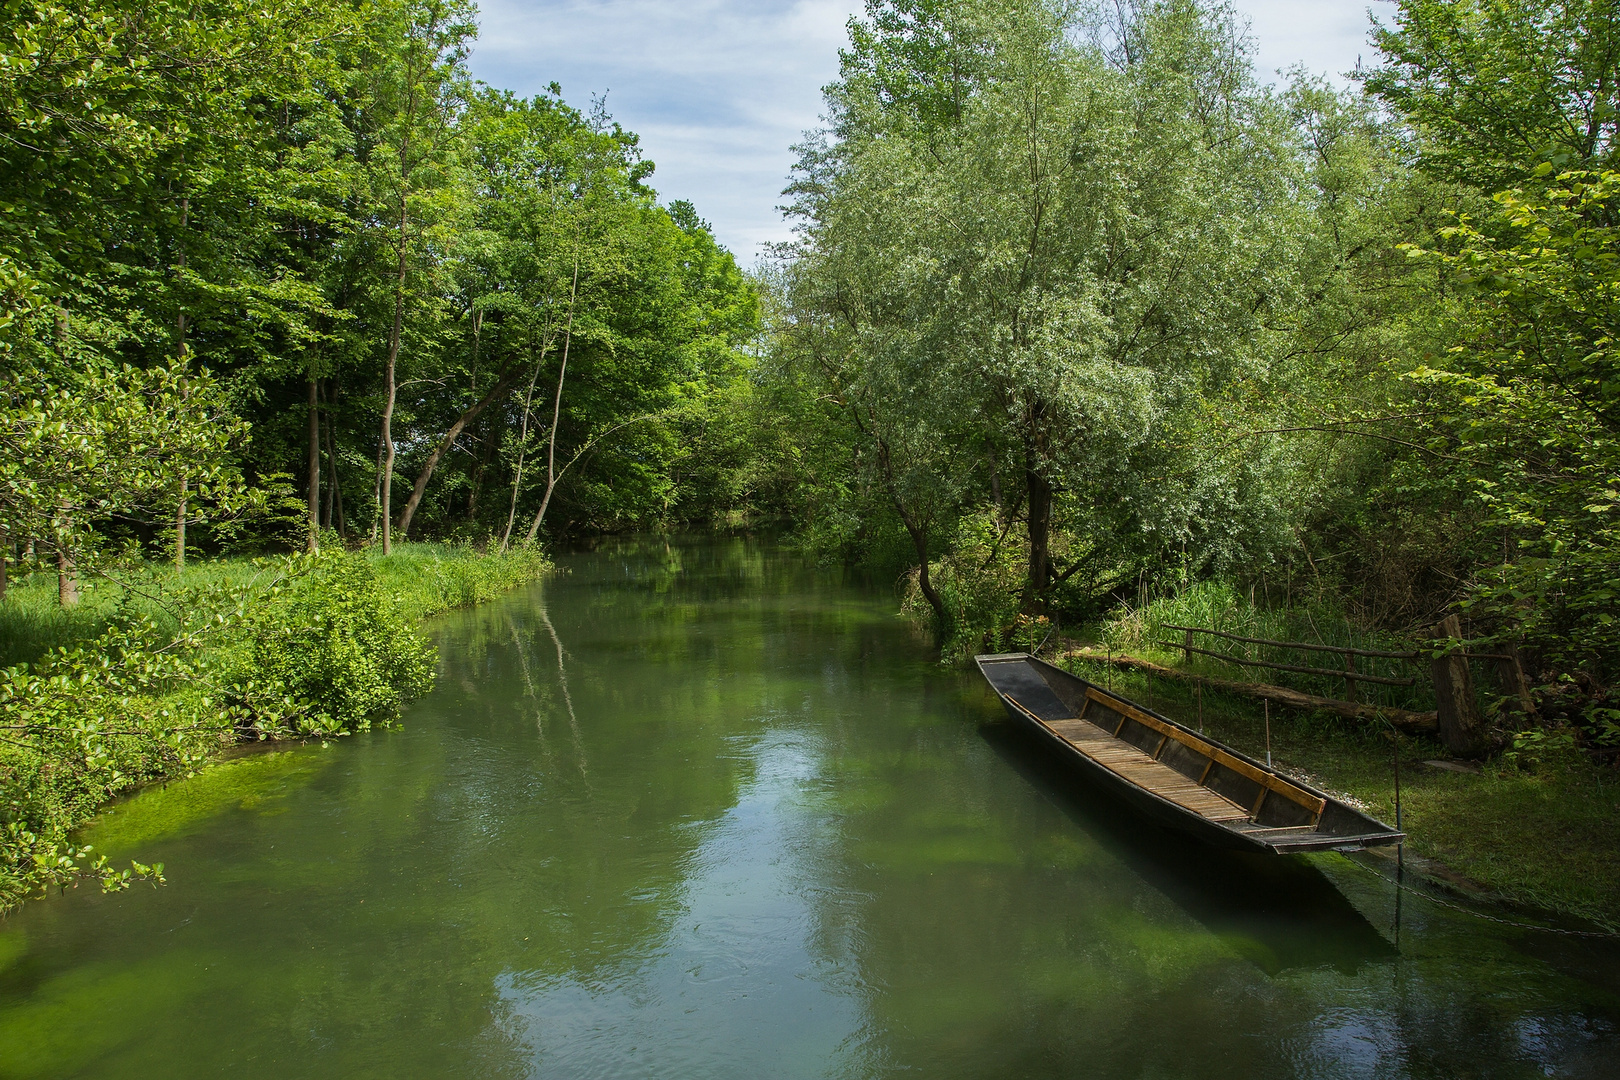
776,839
1279,913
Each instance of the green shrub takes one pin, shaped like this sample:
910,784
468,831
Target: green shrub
980,578
329,653
165,674
80,726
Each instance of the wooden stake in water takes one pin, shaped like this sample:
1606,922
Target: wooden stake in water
1400,849
1268,734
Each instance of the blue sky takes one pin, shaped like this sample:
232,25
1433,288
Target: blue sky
719,90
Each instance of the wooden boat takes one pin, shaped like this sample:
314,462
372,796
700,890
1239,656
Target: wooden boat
1172,774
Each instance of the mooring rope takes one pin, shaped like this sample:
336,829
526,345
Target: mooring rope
1429,896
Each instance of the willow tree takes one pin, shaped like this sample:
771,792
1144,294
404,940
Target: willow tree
1063,232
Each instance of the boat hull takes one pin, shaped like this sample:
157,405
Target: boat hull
1340,827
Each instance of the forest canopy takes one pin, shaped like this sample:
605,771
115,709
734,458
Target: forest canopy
294,262
1079,310
1082,312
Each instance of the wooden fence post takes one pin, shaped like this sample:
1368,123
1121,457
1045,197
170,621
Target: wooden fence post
1186,645
1462,728
1513,683
1350,679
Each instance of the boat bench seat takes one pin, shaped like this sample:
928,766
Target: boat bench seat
1141,769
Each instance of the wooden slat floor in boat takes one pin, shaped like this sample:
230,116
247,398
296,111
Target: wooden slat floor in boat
1137,766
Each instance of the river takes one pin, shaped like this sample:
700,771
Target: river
693,808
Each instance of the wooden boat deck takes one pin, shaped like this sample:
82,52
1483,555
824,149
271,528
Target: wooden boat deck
1029,693
1142,770
1190,781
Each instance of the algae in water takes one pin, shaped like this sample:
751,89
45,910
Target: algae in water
256,782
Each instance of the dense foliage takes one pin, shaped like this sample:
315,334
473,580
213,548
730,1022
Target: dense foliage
256,254
316,646
273,274
1080,314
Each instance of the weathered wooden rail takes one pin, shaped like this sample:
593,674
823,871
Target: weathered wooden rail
1404,719
1352,678
1457,712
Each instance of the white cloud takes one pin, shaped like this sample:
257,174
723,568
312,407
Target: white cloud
1327,36
719,90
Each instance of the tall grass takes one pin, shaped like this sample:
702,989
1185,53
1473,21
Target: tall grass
1142,630
424,579
33,622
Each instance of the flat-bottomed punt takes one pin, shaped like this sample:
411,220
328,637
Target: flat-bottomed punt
1172,774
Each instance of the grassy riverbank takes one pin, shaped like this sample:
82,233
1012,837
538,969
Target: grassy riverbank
154,674
1543,833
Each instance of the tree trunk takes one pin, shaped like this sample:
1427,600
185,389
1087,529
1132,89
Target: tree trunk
335,518
486,451
180,528
1462,728
328,512
1040,535
502,385
340,520
1513,684
314,467
486,443
376,492
919,537
556,411
67,585
919,540
523,453
386,479
180,351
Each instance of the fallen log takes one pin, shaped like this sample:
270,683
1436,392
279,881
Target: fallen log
1405,719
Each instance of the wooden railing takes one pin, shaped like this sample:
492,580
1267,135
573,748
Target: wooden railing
1458,715
1348,673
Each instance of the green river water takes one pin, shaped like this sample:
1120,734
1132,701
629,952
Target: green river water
695,809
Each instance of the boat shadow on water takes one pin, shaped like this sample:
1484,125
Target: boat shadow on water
1279,911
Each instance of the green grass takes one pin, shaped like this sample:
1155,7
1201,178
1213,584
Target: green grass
33,622
1547,837
425,579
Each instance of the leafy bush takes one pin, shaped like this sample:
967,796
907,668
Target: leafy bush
980,578
317,646
82,725
329,653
